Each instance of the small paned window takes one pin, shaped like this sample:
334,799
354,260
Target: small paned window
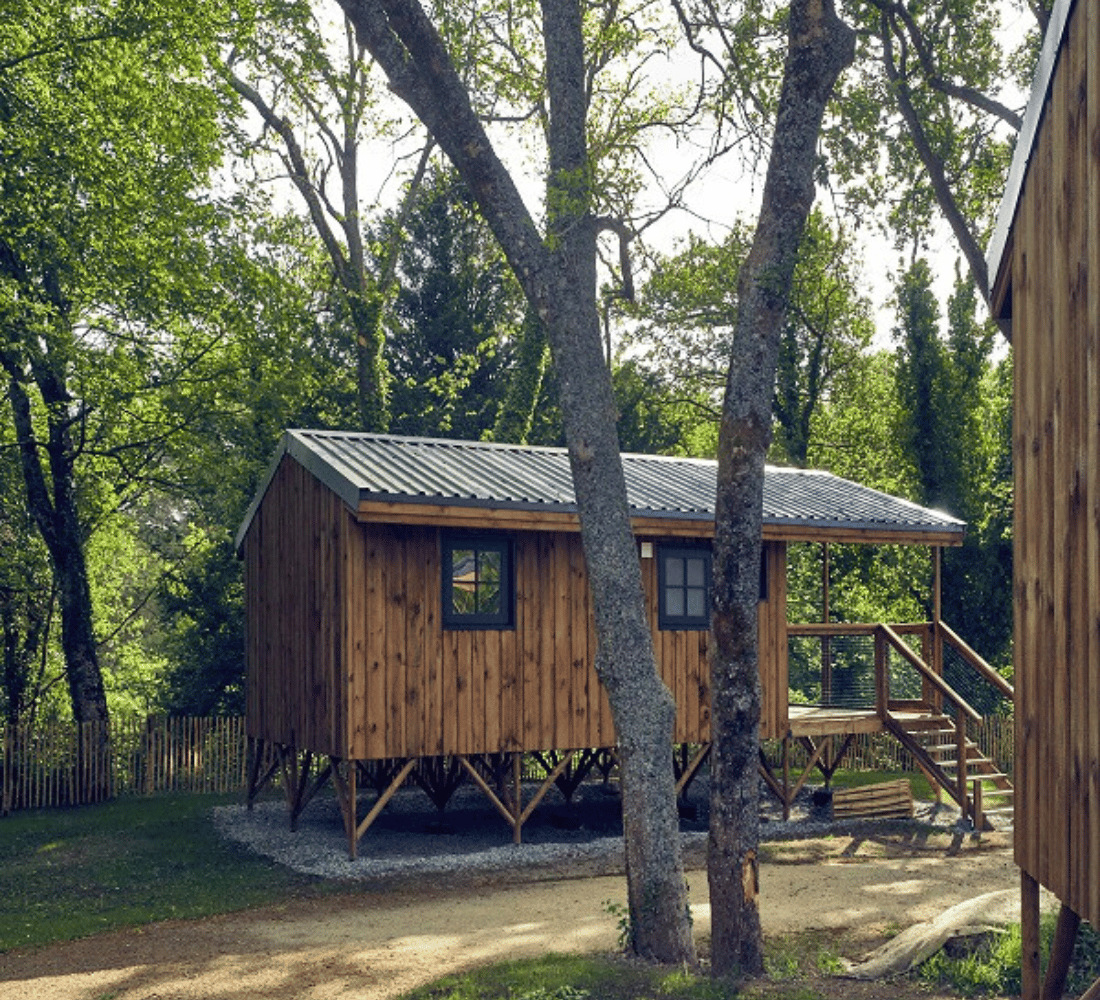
477,582
684,583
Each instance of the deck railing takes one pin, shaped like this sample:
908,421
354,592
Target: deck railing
924,682
852,665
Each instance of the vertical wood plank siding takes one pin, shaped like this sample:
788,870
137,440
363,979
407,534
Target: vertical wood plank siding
1054,247
347,654
293,575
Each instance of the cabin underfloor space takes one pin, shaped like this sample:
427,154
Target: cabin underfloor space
526,792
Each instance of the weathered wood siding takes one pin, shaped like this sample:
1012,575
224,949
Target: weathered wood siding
1055,312
295,588
347,654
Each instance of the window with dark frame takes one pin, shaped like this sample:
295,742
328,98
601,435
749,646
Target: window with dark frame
683,580
478,591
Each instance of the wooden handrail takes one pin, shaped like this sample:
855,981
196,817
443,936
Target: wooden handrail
977,662
827,629
852,628
928,673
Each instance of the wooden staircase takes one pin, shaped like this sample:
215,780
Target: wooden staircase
939,742
980,789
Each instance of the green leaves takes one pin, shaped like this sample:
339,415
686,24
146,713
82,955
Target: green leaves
926,119
689,309
111,256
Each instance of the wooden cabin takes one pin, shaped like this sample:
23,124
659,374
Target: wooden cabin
1044,266
411,599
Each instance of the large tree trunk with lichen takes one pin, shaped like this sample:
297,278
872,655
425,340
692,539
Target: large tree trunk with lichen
558,275
820,46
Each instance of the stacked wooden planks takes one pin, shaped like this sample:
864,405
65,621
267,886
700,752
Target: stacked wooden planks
885,800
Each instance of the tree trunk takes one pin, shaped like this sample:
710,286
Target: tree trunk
58,522
820,46
558,276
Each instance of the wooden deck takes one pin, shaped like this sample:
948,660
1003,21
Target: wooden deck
817,720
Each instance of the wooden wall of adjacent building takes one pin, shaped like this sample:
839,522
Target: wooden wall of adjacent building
1055,319
347,654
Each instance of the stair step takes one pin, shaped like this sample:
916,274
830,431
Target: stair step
975,765
998,811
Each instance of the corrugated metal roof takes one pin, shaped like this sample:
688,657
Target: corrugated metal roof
378,467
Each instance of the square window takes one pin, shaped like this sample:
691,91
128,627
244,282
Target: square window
684,587
477,582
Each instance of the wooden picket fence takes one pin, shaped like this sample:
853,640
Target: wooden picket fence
62,764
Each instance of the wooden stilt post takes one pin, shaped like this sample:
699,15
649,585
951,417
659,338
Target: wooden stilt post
787,777
826,645
255,746
1029,934
517,797
1061,951
353,810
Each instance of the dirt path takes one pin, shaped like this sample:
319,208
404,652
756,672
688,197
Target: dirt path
377,943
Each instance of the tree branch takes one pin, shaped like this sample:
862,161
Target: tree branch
296,163
968,95
608,224
934,165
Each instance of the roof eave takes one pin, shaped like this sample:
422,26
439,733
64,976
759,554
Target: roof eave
1021,158
457,510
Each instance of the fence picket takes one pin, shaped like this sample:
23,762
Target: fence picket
59,764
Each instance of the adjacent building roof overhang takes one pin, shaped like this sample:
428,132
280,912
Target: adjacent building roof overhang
1021,159
465,484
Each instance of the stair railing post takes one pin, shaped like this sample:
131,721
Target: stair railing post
882,675
960,758
937,618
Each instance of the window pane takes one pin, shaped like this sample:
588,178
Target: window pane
674,601
477,587
463,567
696,602
488,598
463,599
695,568
488,567
674,571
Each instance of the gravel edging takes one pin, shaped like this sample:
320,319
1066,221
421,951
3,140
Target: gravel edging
410,837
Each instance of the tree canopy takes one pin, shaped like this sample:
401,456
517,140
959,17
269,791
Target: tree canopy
219,220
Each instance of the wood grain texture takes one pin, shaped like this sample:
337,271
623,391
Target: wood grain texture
1052,290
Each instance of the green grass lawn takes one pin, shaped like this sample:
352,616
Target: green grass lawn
67,873
922,790
574,977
